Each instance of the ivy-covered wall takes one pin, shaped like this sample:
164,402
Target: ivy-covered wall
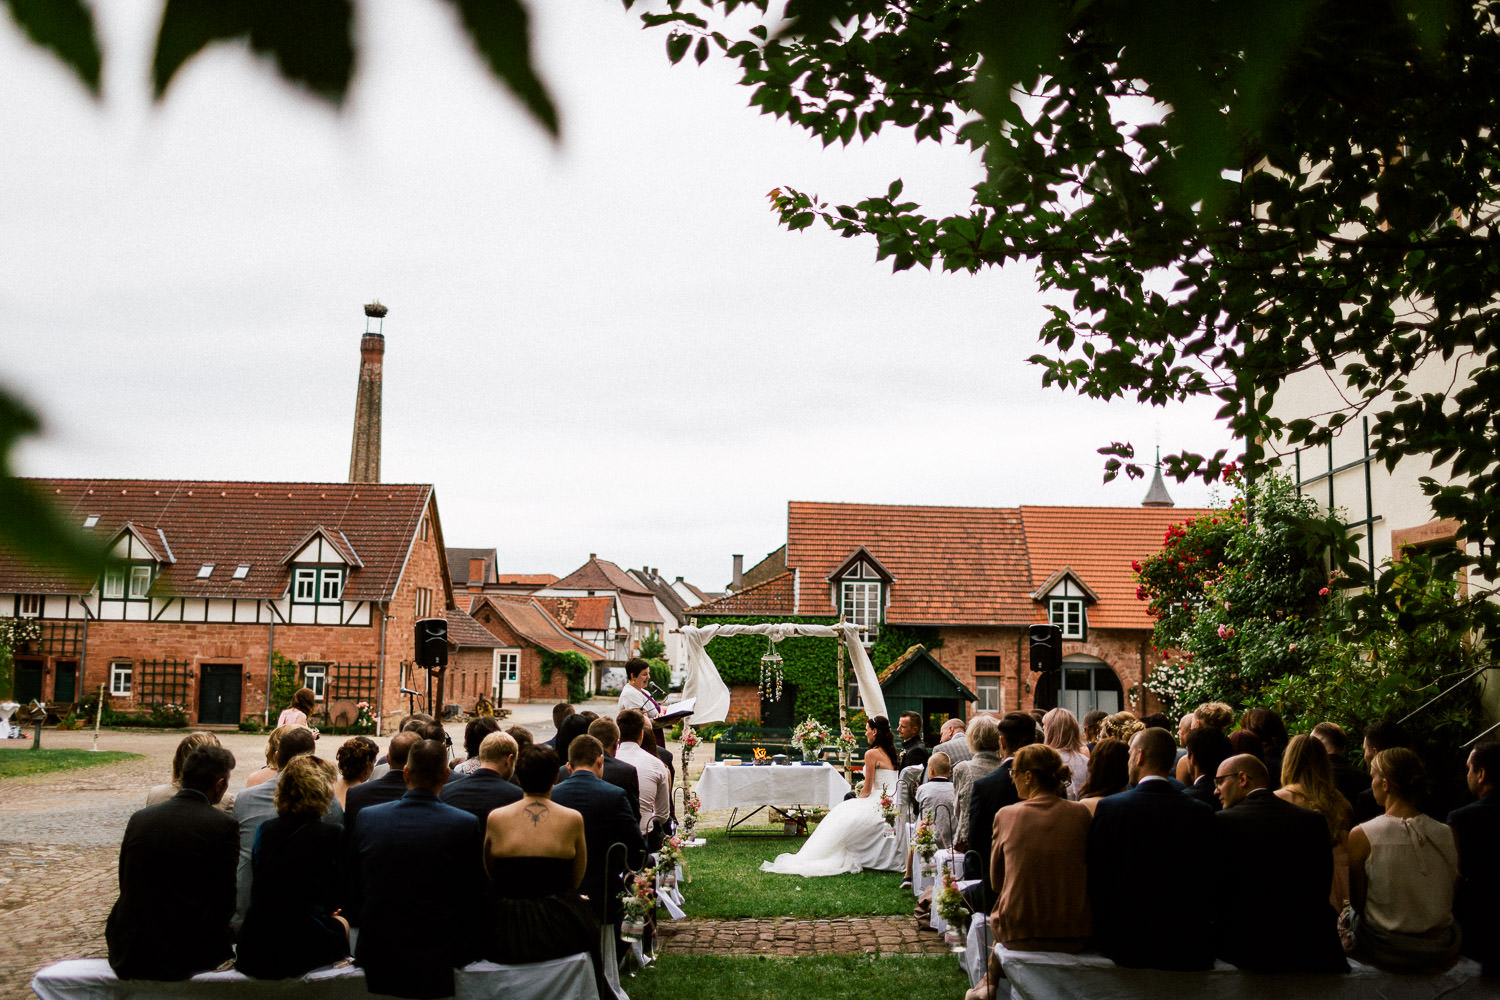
809,663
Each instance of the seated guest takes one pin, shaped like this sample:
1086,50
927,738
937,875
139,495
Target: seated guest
1275,858
489,787
1038,862
426,728
914,752
1347,778
1403,867
522,736
607,821
189,743
1243,741
388,787
1307,781
954,742
990,794
1476,832
617,772
356,762
273,742
1060,731
177,864
258,805
1121,726
1206,750
560,714
1266,724
474,733
655,788
1153,828
293,925
983,736
1109,773
1379,736
1092,719
1213,715
573,727
414,885
536,856
935,795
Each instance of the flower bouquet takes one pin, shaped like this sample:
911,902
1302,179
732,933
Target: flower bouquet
887,808
638,901
811,735
691,806
669,858
924,843
954,912
690,740
845,742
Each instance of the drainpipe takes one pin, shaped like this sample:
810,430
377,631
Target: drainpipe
265,713
83,655
381,608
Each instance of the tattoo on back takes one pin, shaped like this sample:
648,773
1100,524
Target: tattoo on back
537,811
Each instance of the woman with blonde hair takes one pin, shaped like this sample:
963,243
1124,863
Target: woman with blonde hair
1307,781
293,924
1061,732
273,743
1403,869
1120,726
189,743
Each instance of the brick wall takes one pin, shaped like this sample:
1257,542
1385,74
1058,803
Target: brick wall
469,672
530,670
744,703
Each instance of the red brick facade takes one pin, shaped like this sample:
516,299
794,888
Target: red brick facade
530,672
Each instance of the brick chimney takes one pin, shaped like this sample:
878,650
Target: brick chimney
364,454
738,581
476,574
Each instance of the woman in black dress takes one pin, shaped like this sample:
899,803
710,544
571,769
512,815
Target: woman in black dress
535,856
293,925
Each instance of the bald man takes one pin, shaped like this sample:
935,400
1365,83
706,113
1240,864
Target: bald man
1276,866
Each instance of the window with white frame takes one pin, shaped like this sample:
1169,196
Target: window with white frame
506,670
987,687
126,582
330,585
140,582
119,678
305,586
315,676
31,605
859,602
113,587
315,585
1067,614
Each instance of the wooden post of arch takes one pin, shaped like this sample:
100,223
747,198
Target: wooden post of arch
843,700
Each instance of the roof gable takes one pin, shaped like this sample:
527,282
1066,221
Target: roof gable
862,566
774,597
132,541
529,620
1057,585
600,574
906,670
323,546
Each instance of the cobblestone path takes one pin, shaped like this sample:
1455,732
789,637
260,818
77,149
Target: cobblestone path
787,936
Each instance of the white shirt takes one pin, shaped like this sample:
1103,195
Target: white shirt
656,786
633,697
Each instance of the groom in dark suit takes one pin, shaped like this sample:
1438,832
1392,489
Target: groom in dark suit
1153,828
607,821
177,868
409,945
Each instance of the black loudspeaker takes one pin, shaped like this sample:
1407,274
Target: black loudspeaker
1046,648
432,642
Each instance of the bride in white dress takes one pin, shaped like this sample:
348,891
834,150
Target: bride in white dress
853,836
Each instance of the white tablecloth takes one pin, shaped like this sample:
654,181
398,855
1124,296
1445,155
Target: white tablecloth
1042,975
93,979
726,787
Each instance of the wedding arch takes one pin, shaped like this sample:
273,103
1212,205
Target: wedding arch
712,694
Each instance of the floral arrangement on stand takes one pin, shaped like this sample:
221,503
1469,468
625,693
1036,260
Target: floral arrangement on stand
845,742
811,735
638,901
691,806
924,843
364,722
955,913
887,807
669,861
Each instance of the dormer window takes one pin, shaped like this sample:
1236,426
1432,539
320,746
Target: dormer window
859,588
131,582
1067,614
317,585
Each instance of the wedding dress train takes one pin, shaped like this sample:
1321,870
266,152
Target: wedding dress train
852,837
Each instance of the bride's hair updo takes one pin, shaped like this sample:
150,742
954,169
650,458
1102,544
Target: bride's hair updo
883,738
1046,767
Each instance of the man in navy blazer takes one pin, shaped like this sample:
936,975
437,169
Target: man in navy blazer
1276,868
1149,831
488,786
1476,829
388,787
177,866
607,821
416,884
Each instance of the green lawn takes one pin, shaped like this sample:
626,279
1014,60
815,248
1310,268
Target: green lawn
16,763
727,882
824,977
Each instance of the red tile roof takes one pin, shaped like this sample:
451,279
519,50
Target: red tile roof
641,608
465,631
528,619
229,523
1098,544
952,565
537,580
774,597
583,613
600,574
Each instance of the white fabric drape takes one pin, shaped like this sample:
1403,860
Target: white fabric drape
705,684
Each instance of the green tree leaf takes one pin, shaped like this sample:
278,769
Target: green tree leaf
66,28
501,31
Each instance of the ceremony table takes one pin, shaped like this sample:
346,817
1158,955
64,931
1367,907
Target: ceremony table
1042,975
725,786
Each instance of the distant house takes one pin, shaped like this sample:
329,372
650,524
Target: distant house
205,580
525,632
633,615
475,571
974,578
474,655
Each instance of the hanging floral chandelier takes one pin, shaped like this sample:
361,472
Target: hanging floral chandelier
770,672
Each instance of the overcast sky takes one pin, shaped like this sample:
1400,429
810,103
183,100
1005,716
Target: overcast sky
604,345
